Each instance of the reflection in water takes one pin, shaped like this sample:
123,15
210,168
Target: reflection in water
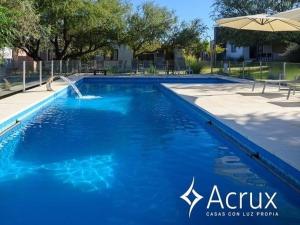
118,104
89,174
231,166
12,170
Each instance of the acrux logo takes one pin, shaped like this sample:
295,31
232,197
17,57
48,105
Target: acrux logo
231,200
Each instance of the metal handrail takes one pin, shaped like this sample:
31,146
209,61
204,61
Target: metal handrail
17,122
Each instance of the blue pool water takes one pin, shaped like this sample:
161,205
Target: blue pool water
126,158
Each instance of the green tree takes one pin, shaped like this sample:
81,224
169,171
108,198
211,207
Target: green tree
7,30
31,34
28,31
187,36
148,27
292,52
233,8
72,28
79,27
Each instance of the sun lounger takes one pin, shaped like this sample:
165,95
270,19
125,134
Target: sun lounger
265,82
292,87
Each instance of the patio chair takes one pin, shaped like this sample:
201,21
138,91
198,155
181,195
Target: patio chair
293,87
270,81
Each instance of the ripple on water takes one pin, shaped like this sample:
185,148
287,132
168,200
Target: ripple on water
89,174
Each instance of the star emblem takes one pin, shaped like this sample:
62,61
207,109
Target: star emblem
191,192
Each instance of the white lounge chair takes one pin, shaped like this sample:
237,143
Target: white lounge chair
292,87
269,81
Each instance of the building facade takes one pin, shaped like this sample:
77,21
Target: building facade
261,53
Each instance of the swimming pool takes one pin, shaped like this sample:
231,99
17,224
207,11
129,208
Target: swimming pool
125,158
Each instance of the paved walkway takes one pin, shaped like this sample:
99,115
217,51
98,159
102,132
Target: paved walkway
267,119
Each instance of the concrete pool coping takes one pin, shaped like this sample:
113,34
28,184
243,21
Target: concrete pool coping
17,106
14,105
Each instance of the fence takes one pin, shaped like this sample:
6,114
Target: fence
255,70
20,75
135,67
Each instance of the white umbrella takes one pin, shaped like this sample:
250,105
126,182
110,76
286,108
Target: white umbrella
260,22
293,14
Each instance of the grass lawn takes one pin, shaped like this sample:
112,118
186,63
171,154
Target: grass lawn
253,71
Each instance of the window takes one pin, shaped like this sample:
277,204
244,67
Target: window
115,55
233,48
111,55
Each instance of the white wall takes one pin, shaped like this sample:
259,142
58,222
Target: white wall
241,52
125,54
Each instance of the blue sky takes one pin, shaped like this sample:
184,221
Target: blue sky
188,9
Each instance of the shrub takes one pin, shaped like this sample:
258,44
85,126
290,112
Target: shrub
193,63
151,69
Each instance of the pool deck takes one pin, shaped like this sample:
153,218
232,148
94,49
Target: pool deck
269,120
15,104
